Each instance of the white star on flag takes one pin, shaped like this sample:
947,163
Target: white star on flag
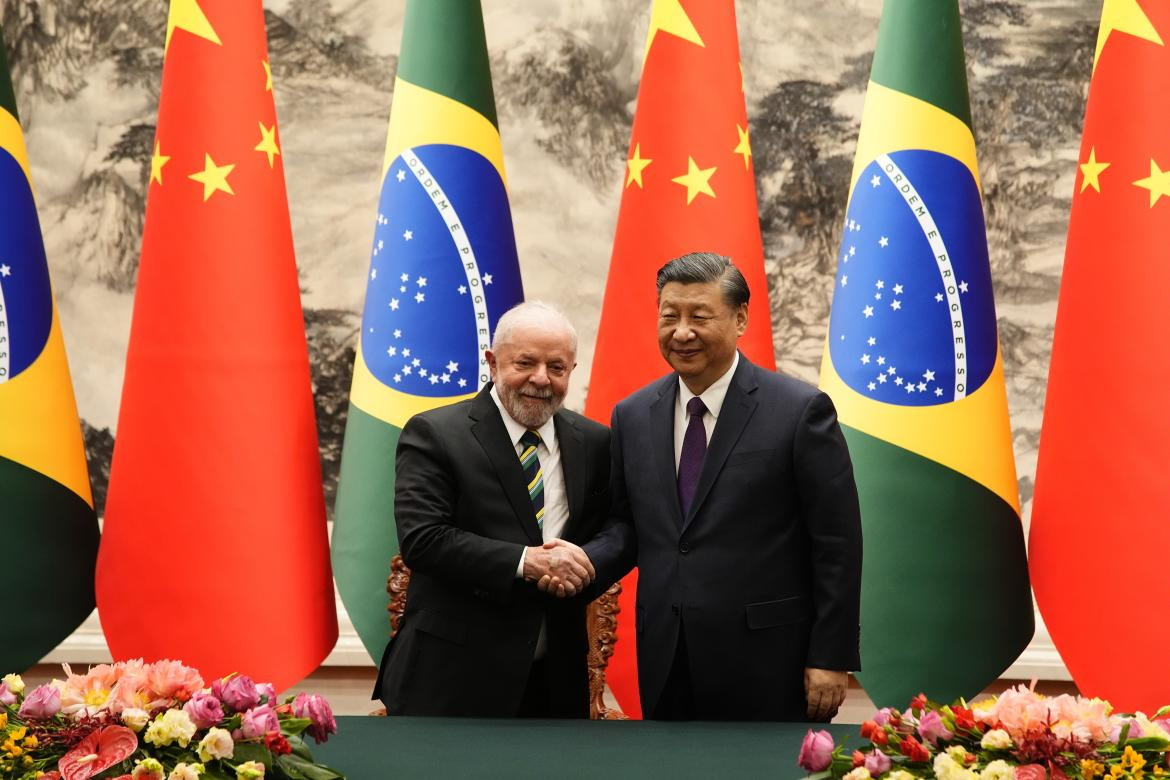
463,289
5,270
397,333
880,284
408,235
844,280
434,379
415,362
393,304
895,305
938,296
884,242
881,379
407,370
446,378
875,181
463,383
928,376
453,367
867,311
422,281
401,175
406,352
373,274
962,287
405,277
897,289
420,297
487,278
881,361
391,351
871,341
422,372
865,360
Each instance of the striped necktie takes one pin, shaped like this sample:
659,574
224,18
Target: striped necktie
533,475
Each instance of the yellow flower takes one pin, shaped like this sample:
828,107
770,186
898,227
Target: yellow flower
1132,758
1091,769
30,741
3,720
18,734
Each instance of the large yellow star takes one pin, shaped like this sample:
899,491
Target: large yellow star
213,177
157,161
1124,16
744,147
696,180
668,16
1091,170
635,165
1158,183
268,143
187,15
267,75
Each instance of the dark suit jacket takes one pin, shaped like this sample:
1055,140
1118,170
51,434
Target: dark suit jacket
463,515
765,576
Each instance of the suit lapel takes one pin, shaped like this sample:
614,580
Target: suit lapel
662,445
573,466
738,406
488,429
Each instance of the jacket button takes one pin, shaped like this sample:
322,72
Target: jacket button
684,548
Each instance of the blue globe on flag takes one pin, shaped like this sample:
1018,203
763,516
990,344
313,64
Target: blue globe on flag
26,296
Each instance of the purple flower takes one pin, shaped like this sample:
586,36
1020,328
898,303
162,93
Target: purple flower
269,690
43,703
317,710
7,697
931,728
816,752
259,721
204,709
239,692
882,717
877,762
1135,730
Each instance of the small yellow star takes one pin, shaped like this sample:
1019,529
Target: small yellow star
157,161
1158,183
187,15
213,177
1124,16
268,143
1091,170
696,180
744,147
668,16
267,75
635,166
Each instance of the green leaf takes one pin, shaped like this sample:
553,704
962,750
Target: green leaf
296,768
292,726
299,748
1149,743
214,770
252,751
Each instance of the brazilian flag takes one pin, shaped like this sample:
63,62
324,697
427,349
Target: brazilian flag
46,510
914,367
443,268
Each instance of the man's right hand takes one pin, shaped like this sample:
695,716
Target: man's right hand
559,568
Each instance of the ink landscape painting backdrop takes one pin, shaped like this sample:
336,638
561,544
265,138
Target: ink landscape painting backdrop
566,77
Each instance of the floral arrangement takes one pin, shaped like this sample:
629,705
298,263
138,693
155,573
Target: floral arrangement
1019,735
139,721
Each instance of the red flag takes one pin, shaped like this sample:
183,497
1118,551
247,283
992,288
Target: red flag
1099,519
689,186
214,549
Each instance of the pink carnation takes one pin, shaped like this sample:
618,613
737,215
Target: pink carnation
318,711
1021,711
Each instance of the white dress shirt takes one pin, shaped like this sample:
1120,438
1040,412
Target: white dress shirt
712,398
556,501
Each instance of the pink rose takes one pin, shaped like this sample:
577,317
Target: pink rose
259,721
882,717
877,762
269,690
43,703
816,752
239,692
7,697
317,710
204,709
931,728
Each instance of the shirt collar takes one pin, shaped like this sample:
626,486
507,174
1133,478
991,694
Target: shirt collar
713,396
548,431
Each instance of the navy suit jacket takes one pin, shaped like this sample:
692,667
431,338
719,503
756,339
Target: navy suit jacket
764,573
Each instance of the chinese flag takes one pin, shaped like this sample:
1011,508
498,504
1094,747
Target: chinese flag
214,549
689,186
1101,517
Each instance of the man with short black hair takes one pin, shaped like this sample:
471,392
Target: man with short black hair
733,493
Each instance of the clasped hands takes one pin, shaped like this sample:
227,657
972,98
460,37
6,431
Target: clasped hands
559,568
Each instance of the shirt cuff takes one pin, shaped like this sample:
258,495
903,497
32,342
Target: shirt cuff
520,568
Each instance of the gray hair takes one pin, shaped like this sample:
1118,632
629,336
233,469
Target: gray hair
703,267
532,313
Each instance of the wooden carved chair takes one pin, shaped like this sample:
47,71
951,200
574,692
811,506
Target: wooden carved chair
601,616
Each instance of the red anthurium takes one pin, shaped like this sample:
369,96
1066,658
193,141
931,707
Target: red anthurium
99,751
1031,772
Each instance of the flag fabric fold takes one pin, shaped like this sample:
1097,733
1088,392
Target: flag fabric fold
215,549
1099,512
46,508
443,269
689,186
912,363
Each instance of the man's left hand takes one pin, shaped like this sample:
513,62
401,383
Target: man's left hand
824,689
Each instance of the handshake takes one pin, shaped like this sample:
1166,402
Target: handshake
558,568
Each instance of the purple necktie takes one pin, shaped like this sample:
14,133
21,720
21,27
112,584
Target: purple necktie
694,449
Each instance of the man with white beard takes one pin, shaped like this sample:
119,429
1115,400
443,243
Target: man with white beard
491,496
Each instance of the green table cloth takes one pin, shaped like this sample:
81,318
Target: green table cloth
368,748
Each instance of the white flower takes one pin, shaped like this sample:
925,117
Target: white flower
14,683
996,739
135,718
947,768
860,773
249,770
171,726
186,772
217,744
900,774
998,770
